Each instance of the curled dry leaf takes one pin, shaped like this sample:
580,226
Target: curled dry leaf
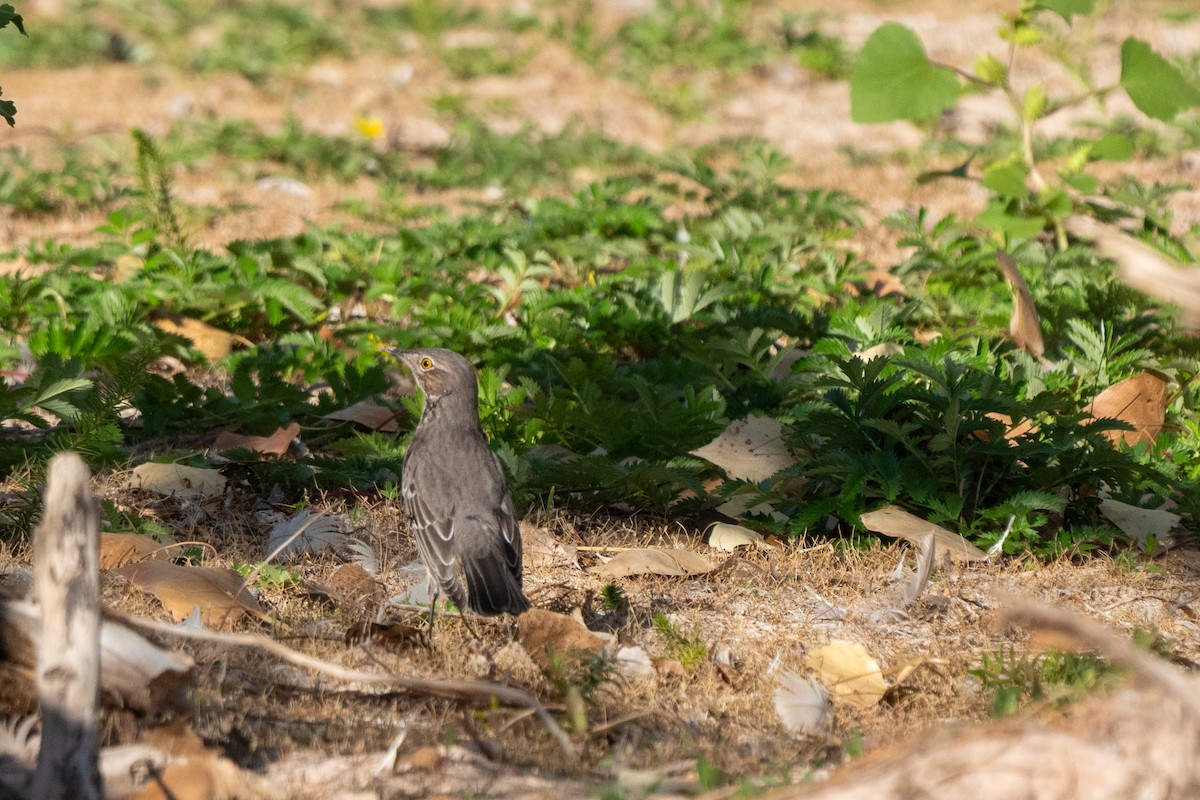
920,578
898,523
723,536
543,634
220,594
850,671
367,414
1140,400
802,705
119,549
177,480
751,449
653,561
274,445
1024,326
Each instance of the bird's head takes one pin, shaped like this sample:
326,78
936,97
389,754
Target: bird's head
439,372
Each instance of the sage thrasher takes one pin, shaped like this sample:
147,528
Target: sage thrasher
455,492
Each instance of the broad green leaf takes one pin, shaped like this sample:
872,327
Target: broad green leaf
9,14
1156,87
1066,8
1005,179
1080,181
988,68
997,216
1112,147
894,79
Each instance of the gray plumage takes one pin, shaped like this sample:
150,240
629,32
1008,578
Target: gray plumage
455,492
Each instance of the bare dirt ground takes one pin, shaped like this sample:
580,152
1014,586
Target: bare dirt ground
759,614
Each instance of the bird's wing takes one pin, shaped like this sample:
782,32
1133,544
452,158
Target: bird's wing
510,530
435,545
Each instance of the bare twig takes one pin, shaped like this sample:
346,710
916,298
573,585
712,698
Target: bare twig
452,689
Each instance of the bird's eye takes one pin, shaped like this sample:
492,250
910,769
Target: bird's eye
427,363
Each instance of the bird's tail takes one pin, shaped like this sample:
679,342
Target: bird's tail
492,588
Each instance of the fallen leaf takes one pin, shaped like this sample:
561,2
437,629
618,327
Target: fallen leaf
119,549
220,594
306,532
274,445
653,561
802,705
896,522
368,414
178,480
850,671
1025,327
920,578
1140,400
194,771
544,634
723,536
1011,431
751,449
1139,524
214,343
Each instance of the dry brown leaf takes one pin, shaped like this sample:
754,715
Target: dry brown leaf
1025,327
214,343
751,449
274,445
1139,523
369,415
194,771
653,561
179,480
850,672
220,594
898,523
1012,431
1140,400
544,633
119,549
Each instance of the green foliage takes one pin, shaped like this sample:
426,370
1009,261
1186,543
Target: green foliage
894,79
680,645
1059,678
9,15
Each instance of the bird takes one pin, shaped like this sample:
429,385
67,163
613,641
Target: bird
455,492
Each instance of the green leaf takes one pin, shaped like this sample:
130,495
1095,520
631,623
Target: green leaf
997,216
1035,103
963,170
1066,8
1113,147
894,79
1157,88
8,110
1080,181
1007,180
9,14
988,68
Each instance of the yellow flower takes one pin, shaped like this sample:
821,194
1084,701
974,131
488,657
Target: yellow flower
369,127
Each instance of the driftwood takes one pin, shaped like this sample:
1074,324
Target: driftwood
67,585
1138,742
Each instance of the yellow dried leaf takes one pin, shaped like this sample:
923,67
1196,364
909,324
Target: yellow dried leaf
179,480
119,549
849,671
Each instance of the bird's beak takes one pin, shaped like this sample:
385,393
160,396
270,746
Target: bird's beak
394,352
